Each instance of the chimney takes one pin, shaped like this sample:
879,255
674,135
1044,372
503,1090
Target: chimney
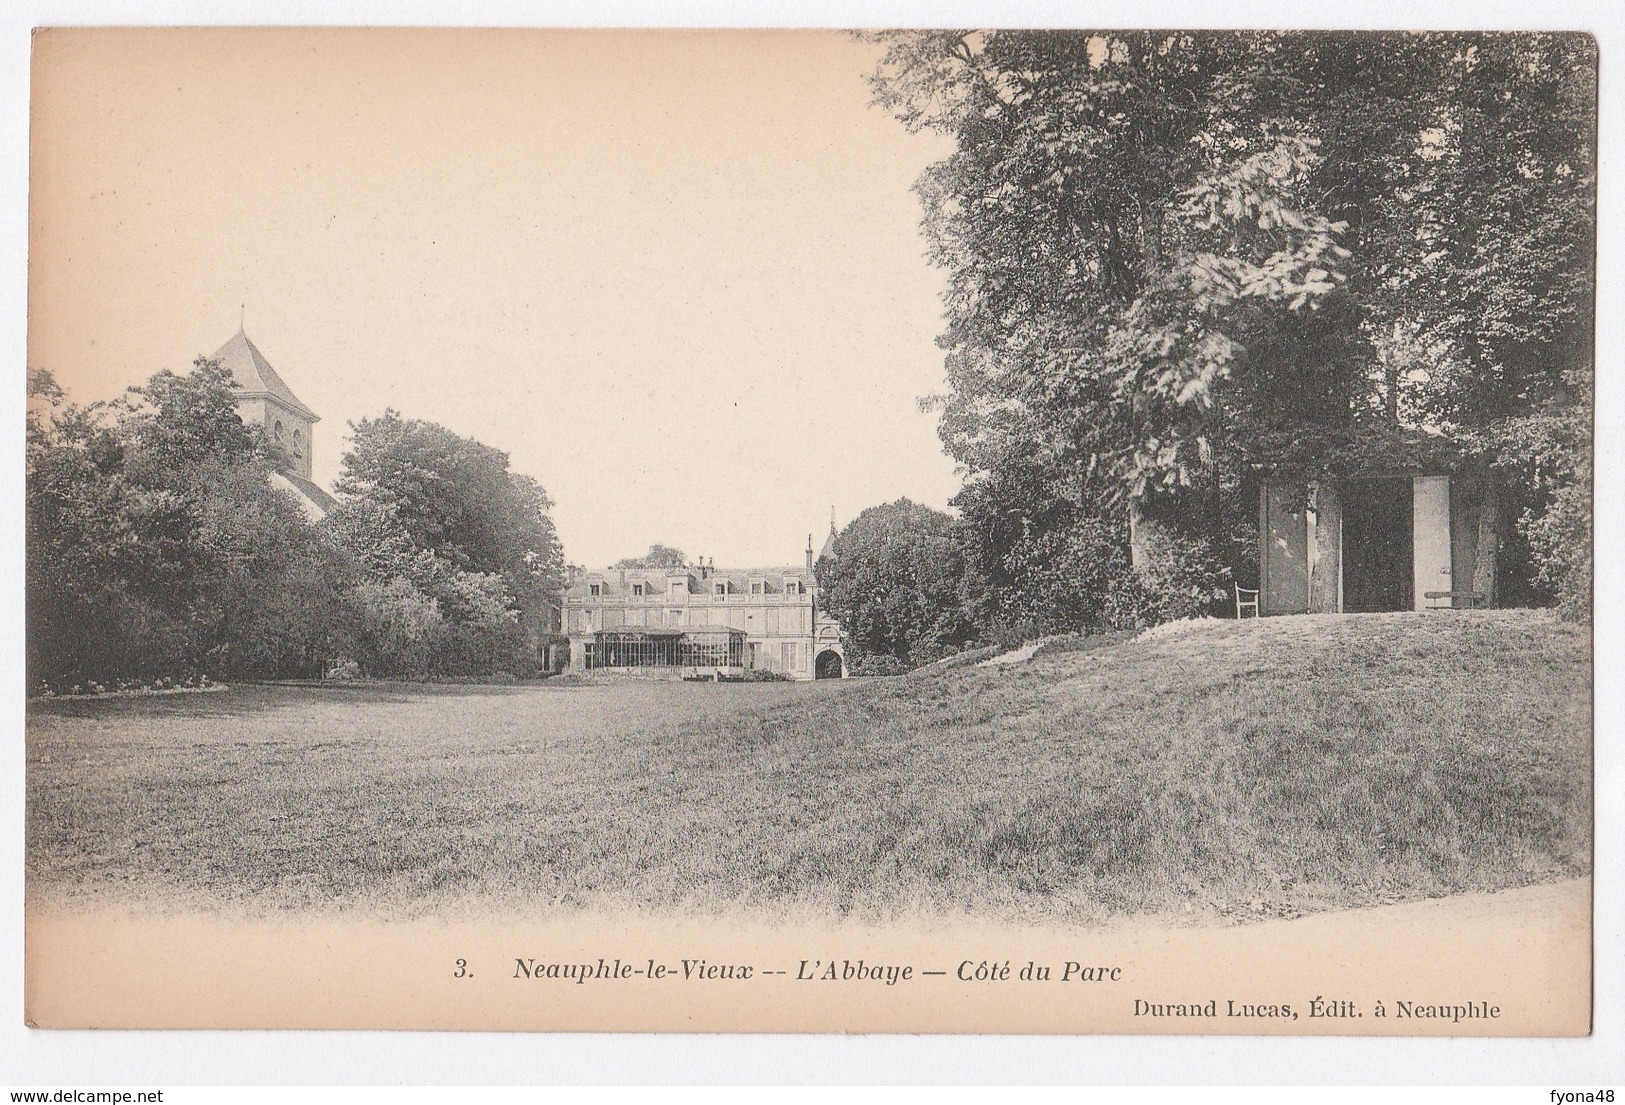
809,553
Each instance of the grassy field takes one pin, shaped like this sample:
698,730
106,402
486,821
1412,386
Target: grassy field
1262,768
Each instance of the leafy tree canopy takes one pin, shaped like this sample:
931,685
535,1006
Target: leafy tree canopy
158,546
894,579
1174,258
173,424
658,556
1169,252
456,499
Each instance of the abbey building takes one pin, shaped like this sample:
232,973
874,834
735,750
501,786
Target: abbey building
701,620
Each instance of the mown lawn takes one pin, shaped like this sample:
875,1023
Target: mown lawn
1238,769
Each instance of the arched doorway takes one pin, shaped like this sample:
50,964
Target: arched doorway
828,665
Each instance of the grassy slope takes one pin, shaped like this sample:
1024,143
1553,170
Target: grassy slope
1257,768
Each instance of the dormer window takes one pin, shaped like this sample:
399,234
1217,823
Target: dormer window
720,589
792,585
678,587
637,590
758,586
595,589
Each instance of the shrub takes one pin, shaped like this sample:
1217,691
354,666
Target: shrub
487,646
1560,544
859,662
392,628
397,631
1079,578
1057,581
343,669
1184,579
755,675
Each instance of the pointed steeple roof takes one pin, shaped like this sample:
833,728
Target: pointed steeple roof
254,375
829,542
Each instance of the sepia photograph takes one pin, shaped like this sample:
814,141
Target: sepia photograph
980,531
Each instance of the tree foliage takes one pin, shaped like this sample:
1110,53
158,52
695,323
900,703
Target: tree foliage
658,556
1174,258
426,490
158,548
894,579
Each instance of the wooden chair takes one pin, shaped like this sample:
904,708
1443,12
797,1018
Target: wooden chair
1245,600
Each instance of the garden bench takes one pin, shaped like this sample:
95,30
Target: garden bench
1474,598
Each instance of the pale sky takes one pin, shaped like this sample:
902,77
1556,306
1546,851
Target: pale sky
677,276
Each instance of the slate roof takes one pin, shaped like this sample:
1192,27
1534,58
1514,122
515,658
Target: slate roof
312,491
829,544
254,376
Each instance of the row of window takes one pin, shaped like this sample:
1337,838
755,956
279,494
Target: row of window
632,651
792,586
773,621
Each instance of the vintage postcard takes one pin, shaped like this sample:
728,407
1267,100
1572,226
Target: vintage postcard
1008,531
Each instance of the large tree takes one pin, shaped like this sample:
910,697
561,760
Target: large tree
1173,256
895,579
456,499
1133,253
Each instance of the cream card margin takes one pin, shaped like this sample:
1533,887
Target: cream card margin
268,1057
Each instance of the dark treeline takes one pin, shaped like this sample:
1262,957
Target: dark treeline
160,550
1179,260
912,585
1176,262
